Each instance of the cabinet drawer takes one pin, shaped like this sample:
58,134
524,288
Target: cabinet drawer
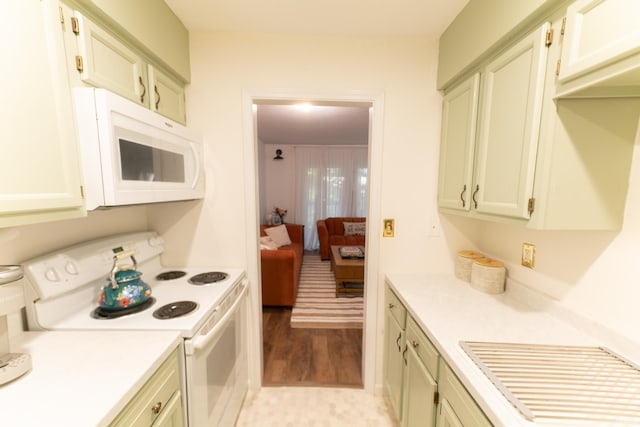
154,397
425,351
396,308
457,398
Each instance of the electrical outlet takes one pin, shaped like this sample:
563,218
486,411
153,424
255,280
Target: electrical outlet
389,227
528,254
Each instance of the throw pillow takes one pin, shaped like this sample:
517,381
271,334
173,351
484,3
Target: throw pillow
352,228
279,235
267,243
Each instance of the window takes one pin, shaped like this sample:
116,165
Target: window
331,182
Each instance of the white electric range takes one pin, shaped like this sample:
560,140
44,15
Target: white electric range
207,305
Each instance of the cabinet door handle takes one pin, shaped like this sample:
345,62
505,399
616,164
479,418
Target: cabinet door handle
144,89
415,344
155,89
464,190
156,408
404,354
391,305
398,341
475,202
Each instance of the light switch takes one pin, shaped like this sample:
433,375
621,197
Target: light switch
389,227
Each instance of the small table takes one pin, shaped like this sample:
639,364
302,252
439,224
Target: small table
348,272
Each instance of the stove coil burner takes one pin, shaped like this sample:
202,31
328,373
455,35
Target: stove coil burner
208,277
175,309
102,314
171,275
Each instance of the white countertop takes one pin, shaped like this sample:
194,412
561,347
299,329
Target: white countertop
449,310
81,378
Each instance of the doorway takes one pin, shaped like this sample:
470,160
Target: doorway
312,165
254,217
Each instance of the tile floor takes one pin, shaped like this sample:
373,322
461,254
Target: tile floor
314,406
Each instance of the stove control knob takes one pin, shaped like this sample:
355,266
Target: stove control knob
71,268
52,275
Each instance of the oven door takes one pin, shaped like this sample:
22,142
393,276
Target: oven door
216,368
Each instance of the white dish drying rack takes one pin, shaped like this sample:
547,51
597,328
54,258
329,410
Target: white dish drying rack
552,383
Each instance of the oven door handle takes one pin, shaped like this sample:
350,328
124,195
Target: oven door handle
204,339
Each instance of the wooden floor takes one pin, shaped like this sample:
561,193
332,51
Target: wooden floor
309,357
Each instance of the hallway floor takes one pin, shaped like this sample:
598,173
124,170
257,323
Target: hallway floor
314,406
309,357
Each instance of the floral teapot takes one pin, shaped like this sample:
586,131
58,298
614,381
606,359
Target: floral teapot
124,289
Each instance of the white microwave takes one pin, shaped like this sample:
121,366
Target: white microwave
131,155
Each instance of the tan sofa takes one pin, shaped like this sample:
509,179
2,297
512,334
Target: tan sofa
281,268
331,233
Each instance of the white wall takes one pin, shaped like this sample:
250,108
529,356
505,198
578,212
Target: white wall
19,244
279,181
595,274
225,65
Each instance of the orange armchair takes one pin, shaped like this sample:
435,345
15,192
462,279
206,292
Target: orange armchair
280,268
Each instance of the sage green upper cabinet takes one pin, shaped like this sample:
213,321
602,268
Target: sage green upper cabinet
152,26
601,52
545,158
41,178
166,96
458,138
138,50
480,27
507,133
106,62
511,104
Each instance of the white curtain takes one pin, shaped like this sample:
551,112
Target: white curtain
330,182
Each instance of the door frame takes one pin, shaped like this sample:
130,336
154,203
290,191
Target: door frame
374,279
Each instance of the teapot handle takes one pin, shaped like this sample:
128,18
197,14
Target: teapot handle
115,267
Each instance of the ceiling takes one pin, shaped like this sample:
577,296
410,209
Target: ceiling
305,124
326,124
365,17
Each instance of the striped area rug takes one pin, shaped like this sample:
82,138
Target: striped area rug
316,303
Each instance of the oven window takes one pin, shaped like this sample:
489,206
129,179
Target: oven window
144,163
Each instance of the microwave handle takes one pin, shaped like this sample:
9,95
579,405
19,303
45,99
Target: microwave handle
196,156
202,341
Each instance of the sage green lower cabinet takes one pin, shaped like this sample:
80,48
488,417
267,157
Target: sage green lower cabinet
421,387
420,373
457,407
159,402
395,317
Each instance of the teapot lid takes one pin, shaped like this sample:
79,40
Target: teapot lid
126,275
